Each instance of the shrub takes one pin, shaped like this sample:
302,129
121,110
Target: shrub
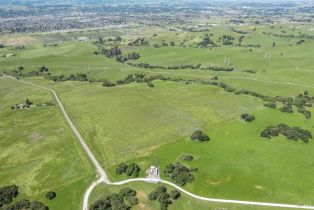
107,83
199,136
121,168
286,108
247,117
175,194
271,105
51,195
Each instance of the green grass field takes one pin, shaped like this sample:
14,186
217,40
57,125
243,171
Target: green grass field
151,126
39,153
184,203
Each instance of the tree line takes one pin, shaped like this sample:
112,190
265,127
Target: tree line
177,67
292,133
8,193
130,170
124,200
300,102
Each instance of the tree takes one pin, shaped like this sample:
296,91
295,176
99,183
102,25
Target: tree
107,83
271,105
153,196
132,169
175,194
28,103
247,117
179,173
51,195
160,194
43,69
274,44
121,168
7,194
199,136
127,192
150,84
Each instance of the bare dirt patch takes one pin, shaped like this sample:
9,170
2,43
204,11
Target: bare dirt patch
258,187
220,181
34,137
18,41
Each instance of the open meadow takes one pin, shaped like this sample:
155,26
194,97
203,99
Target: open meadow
151,122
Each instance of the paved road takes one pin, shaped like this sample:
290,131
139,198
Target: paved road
104,178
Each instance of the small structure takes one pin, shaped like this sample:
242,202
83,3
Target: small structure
82,39
153,170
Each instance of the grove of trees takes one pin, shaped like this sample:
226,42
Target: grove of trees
8,193
124,200
247,117
165,199
198,135
179,173
293,133
130,170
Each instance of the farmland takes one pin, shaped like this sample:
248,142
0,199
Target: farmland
137,94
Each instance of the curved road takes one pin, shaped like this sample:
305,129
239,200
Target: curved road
104,177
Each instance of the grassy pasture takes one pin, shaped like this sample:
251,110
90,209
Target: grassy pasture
134,123
39,153
184,203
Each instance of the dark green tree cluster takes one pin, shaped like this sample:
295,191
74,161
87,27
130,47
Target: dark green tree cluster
301,36
216,68
165,199
302,41
286,108
198,135
247,117
78,77
7,194
107,83
112,52
293,133
26,204
51,195
43,69
125,200
206,42
130,170
227,39
179,173
271,105
133,56
73,77
139,42
28,103
188,66
130,56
